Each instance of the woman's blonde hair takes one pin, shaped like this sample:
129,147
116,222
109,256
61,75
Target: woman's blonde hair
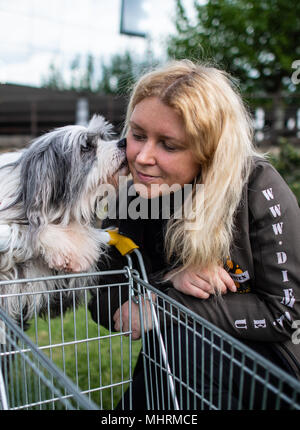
219,132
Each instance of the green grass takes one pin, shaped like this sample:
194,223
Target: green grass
97,361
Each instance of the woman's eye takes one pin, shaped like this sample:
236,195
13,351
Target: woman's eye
169,147
138,136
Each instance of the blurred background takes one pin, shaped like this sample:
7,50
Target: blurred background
61,61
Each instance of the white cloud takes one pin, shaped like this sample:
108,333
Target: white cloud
34,33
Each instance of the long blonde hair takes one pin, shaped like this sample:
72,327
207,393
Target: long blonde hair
219,132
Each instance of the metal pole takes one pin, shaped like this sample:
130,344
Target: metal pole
158,332
3,397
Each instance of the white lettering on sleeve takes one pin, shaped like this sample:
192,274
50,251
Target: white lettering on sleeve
241,324
282,317
278,228
284,276
260,323
275,210
281,257
268,193
288,298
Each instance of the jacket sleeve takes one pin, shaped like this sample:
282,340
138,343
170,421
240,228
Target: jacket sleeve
270,247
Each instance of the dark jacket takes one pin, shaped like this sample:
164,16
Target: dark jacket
264,263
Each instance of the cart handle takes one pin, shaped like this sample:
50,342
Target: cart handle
123,243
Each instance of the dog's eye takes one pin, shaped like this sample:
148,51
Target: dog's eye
88,146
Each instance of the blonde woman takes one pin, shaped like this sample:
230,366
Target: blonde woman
187,125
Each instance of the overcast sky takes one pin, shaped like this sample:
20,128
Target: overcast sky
35,33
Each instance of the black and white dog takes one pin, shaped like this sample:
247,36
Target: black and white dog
48,194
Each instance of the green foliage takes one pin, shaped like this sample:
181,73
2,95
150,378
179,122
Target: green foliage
122,71
287,162
113,77
118,75
256,41
83,75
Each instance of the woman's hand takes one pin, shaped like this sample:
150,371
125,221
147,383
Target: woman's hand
202,283
124,325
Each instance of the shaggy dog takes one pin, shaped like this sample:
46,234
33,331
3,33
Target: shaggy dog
48,195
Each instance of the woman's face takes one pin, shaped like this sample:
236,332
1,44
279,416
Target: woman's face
157,150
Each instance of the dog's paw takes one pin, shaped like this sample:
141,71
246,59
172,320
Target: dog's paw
56,261
69,249
72,263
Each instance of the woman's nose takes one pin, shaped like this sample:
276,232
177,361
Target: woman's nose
146,154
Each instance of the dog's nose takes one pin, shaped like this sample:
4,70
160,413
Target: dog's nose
122,143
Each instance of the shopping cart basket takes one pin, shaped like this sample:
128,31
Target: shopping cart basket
69,361
33,381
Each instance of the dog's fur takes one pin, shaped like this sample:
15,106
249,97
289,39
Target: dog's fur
48,194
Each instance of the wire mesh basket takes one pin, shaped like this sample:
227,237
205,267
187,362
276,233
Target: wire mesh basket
180,371
96,360
29,379
72,362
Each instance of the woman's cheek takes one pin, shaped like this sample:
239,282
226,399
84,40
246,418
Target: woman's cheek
131,150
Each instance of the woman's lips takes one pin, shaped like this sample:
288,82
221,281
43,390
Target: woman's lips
146,178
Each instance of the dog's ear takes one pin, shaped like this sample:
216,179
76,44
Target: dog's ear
42,181
98,126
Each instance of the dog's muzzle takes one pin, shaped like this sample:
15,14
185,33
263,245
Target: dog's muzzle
122,143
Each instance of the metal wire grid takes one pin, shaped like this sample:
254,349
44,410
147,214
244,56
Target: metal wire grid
98,361
34,381
190,347
171,377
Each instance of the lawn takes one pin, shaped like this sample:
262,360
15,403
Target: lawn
96,361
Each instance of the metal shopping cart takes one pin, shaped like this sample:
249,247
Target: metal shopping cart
69,362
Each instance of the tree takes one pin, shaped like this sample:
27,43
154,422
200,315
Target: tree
257,41
287,162
83,74
119,75
88,75
114,77
54,80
